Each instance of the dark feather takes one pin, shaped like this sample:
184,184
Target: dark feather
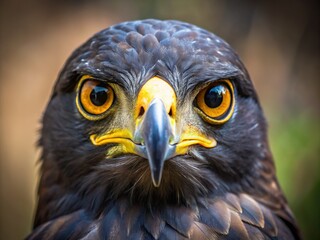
270,226
217,217
154,225
179,218
237,230
251,212
226,192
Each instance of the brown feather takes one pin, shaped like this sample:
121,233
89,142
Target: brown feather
233,201
251,211
229,191
203,232
217,217
179,218
237,229
154,225
270,226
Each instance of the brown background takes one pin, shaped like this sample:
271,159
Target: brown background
277,40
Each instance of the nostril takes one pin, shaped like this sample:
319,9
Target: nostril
171,112
141,112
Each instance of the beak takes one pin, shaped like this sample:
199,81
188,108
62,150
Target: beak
156,133
155,125
155,137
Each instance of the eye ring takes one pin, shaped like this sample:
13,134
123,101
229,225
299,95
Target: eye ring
94,98
215,103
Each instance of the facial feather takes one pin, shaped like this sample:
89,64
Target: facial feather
223,192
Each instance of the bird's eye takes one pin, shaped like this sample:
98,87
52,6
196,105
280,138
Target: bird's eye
215,102
94,98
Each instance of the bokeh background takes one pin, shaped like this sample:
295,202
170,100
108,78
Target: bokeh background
277,40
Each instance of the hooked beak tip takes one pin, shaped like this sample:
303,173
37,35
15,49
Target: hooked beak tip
156,131
156,178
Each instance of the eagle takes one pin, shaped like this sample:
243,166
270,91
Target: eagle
154,131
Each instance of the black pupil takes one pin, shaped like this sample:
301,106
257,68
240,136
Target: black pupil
99,95
214,96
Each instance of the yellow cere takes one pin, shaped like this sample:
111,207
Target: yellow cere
156,88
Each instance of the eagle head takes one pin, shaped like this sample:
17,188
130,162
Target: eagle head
155,114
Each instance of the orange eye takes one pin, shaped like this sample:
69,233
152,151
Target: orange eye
94,98
216,102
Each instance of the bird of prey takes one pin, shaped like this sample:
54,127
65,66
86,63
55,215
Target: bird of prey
154,131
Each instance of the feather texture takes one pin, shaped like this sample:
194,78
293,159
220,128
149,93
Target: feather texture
218,220
229,191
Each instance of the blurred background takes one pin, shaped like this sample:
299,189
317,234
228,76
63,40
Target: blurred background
277,40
